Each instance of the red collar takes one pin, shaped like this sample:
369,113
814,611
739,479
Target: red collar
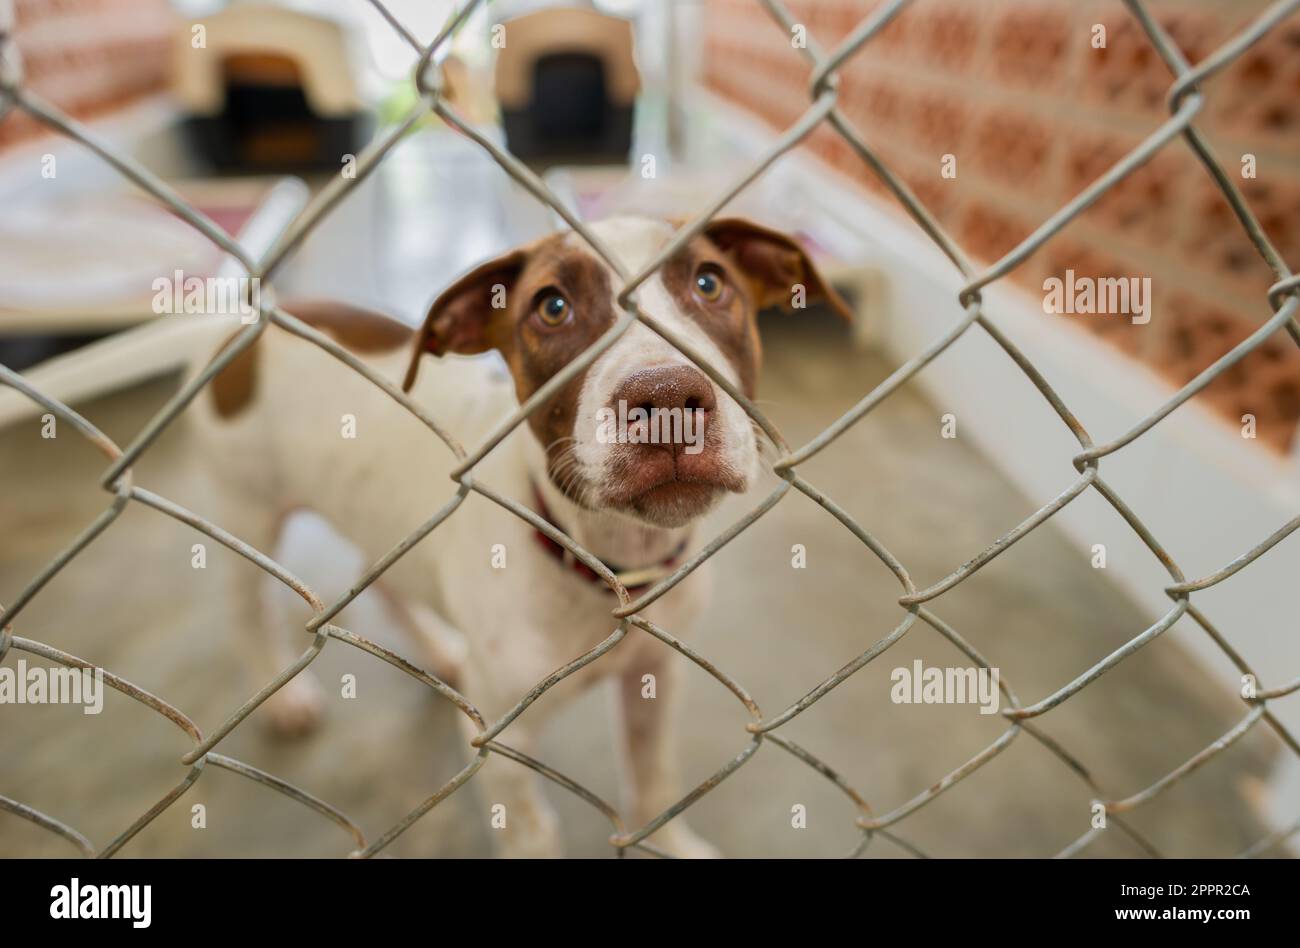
558,551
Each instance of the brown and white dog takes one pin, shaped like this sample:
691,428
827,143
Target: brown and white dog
270,430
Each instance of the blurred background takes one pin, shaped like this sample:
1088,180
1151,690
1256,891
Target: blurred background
248,108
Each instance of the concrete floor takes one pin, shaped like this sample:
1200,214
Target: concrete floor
134,604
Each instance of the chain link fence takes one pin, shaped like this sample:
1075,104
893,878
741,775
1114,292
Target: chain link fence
916,604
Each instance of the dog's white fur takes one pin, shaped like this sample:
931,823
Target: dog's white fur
500,631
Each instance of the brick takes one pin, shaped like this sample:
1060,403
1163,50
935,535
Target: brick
988,232
1143,205
937,123
1129,73
1032,47
89,57
1216,242
1011,147
1266,383
947,36
1258,98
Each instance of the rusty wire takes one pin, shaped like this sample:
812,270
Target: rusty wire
1185,101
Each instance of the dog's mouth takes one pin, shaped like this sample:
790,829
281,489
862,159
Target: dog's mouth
668,488
665,483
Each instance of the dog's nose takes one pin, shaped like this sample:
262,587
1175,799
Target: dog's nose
682,387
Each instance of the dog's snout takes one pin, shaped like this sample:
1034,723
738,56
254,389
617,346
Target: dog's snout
681,387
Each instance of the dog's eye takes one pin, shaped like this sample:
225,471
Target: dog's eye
552,308
709,283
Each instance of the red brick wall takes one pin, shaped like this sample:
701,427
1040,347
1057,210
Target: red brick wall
1014,89
89,56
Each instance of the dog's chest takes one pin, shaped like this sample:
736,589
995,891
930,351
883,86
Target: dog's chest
527,613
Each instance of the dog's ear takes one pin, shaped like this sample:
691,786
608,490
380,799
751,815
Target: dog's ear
466,317
775,265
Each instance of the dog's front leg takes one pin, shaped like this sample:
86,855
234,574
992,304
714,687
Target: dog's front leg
523,824
650,747
296,708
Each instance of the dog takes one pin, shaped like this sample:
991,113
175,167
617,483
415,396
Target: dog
495,605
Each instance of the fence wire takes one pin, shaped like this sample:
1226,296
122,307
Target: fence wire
1185,102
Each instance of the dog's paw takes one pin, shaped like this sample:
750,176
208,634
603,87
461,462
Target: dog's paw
297,708
681,841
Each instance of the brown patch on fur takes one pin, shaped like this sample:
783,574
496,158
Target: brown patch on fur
232,388
360,330
730,321
462,320
357,329
535,353
773,263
